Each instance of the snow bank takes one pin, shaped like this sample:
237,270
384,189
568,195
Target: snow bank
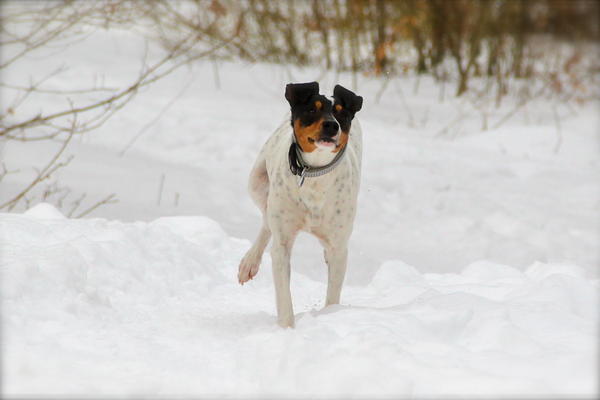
109,308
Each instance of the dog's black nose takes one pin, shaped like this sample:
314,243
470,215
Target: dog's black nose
330,128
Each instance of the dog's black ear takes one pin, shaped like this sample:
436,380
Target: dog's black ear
299,93
347,98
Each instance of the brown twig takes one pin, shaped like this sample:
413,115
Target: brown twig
42,175
145,79
110,199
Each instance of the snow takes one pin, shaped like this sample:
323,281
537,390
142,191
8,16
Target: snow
473,266
154,309
44,210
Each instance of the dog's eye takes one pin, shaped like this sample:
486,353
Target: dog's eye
312,110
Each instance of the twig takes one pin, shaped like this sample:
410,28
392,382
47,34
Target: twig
76,205
51,91
519,105
5,171
144,80
110,199
31,42
559,138
384,86
158,116
45,173
411,122
160,188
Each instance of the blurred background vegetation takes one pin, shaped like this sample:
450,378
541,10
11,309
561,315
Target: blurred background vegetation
450,39
485,49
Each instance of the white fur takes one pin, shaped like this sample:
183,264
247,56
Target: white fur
322,155
324,206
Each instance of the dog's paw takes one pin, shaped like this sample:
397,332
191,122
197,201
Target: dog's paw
248,268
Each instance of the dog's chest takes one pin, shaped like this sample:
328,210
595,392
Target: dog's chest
314,197
326,200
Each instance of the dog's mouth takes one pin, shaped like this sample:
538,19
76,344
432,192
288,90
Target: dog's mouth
328,141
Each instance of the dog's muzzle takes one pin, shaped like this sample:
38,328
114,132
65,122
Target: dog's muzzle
329,130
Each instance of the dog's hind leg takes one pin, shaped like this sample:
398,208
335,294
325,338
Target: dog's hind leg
258,186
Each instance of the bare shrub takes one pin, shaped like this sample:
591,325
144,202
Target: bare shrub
39,26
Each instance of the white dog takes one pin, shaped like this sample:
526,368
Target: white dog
307,177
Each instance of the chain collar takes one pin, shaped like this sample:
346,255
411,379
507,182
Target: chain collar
303,170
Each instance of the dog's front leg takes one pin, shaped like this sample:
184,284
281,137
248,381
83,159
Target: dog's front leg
336,258
280,255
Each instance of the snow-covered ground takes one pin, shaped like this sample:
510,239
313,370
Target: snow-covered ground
473,265
106,307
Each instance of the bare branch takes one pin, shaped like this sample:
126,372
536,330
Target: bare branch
5,171
76,205
42,175
149,76
145,128
110,199
36,89
34,41
519,106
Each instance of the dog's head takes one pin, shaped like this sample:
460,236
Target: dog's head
317,121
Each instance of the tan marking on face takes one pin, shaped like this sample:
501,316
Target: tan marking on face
343,141
338,107
307,136
319,105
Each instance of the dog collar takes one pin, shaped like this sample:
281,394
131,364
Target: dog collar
303,170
